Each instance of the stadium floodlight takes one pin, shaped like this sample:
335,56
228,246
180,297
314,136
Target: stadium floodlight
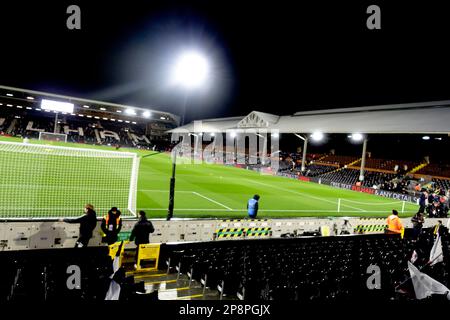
426,137
130,111
58,106
86,106
103,109
190,70
9,95
357,137
146,114
30,98
317,136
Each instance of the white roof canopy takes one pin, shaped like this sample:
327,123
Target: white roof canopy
426,117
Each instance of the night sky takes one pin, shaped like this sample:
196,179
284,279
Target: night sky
278,57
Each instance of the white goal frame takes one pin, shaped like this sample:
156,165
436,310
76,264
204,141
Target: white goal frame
7,151
42,134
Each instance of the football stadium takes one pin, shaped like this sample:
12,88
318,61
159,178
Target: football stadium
306,200
240,198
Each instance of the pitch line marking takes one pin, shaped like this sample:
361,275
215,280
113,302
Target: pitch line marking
305,194
214,201
193,192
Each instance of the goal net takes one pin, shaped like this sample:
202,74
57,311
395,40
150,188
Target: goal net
49,136
41,181
382,205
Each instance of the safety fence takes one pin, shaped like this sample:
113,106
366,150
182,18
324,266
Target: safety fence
26,235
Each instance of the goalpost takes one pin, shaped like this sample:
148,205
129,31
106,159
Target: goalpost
41,181
345,205
49,136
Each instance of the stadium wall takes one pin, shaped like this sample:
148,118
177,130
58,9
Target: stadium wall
29,235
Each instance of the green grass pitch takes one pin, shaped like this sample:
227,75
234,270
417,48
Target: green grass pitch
217,191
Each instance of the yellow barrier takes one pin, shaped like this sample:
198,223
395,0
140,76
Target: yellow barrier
113,248
325,231
148,253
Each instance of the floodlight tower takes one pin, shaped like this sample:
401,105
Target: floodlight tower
358,137
363,161
305,146
190,72
316,136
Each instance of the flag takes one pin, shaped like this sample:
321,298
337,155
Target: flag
424,285
414,257
114,288
113,291
436,252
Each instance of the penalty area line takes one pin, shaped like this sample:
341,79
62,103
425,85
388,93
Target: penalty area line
213,201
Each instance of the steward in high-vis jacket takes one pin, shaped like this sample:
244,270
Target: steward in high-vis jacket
252,207
394,224
111,226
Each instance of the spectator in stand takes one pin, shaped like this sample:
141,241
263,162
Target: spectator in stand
439,228
141,232
417,222
423,200
435,209
111,226
87,222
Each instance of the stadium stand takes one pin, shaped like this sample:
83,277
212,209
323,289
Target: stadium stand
315,170
304,269
337,159
436,169
442,184
346,176
84,129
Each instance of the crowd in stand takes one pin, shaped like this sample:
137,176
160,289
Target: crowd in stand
389,175
14,125
434,202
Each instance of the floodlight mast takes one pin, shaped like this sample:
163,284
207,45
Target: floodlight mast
172,188
305,147
190,71
363,160
55,130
